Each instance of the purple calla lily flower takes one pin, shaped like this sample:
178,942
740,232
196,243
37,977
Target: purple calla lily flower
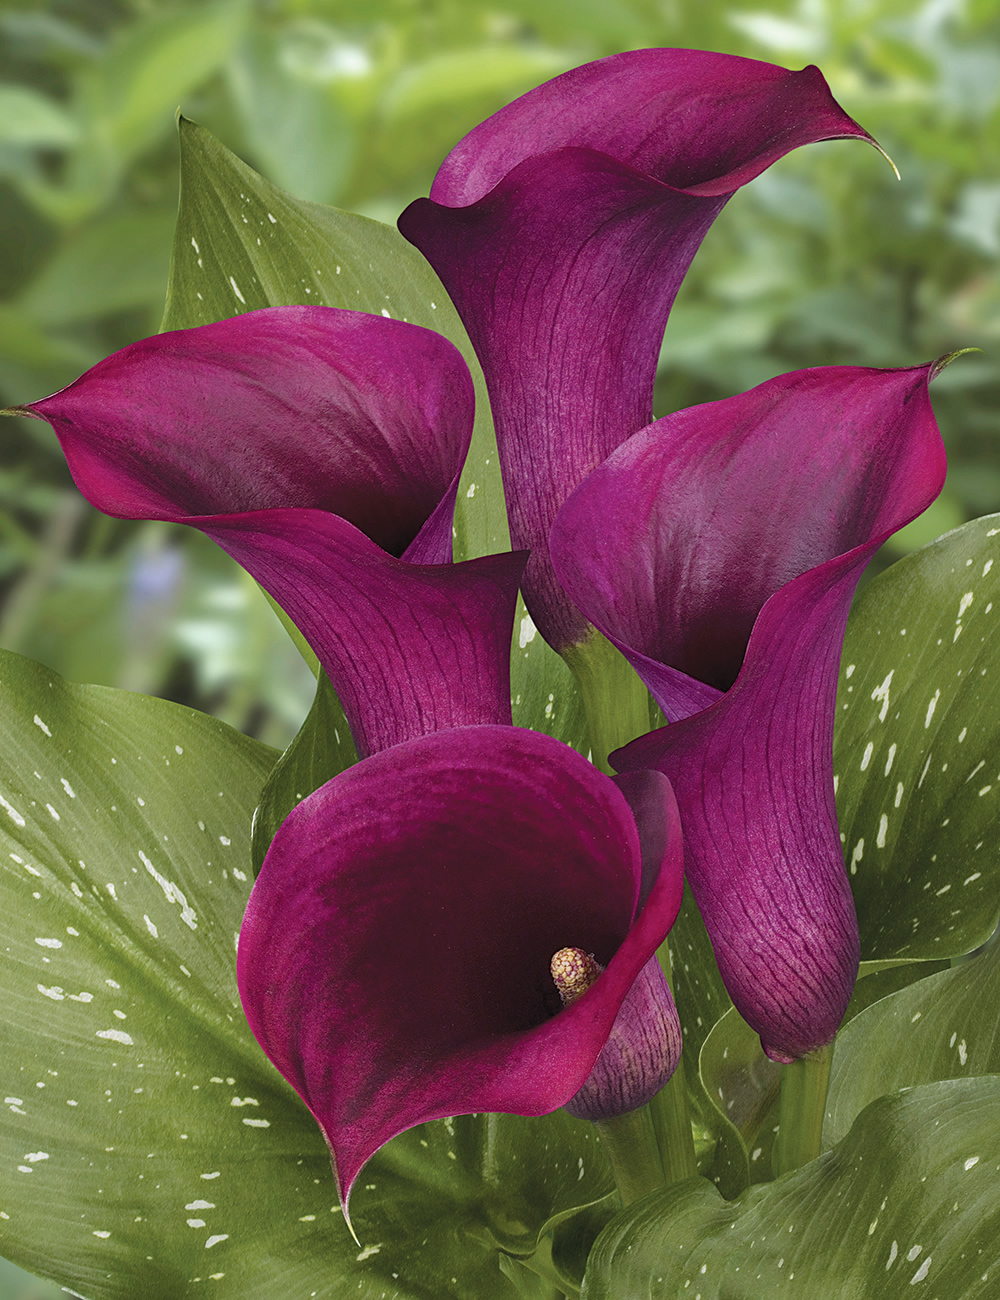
394,957
322,449
719,549
562,228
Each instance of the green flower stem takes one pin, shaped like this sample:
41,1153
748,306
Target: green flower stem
671,1113
632,1152
672,1126
614,699
804,1085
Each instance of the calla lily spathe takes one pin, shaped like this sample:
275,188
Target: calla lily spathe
322,449
394,957
719,549
562,227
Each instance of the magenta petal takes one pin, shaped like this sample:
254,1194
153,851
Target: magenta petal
753,778
672,546
315,445
697,520
361,416
694,119
393,960
562,228
409,648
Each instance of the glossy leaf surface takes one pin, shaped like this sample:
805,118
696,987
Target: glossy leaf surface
917,739
911,1191
941,1027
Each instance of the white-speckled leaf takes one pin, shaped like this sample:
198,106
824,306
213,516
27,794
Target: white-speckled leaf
743,1084
917,749
905,1206
544,693
241,243
946,1026
443,1200
147,1148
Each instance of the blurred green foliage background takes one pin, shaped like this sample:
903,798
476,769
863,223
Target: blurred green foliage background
826,259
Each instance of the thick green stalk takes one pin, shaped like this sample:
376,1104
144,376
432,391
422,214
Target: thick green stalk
672,1125
631,1148
804,1086
671,1113
614,699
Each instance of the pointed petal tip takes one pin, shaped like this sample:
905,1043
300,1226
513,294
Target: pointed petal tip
943,362
875,145
344,1197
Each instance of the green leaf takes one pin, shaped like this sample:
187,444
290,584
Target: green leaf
320,751
743,1084
700,994
29,118
443,1199
241,243
156,61
117,263
544,693
908,1196
941,1027
296,128
456,75
917,749
702,1001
